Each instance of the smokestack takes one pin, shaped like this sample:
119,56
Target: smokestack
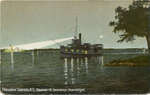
80,37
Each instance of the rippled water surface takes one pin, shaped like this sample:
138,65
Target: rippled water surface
47,70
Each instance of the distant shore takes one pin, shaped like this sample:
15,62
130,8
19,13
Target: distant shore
136,61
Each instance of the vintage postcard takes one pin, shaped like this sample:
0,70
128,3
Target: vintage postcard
88,47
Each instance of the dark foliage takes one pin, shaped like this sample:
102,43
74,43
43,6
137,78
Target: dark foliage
131,22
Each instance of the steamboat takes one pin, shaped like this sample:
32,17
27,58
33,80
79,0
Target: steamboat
77,49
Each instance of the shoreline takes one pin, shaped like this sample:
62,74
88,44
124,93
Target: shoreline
132,62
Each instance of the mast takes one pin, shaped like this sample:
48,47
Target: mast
76,29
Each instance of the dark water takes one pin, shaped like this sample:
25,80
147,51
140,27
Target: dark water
48,71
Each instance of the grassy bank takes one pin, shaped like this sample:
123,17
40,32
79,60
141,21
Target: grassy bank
136,61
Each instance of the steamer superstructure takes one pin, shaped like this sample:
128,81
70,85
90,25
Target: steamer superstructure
78,49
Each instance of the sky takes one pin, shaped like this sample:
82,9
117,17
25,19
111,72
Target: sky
34,21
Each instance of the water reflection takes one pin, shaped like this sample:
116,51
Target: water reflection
101,60
12,60
78,67
82,62
72,71
33,59
86,65
91,74
74,68
0,57
66,71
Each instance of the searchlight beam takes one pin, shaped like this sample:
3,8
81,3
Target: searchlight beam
39,45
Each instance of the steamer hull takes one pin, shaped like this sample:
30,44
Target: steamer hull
77,49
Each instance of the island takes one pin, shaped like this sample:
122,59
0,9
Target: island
143,60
